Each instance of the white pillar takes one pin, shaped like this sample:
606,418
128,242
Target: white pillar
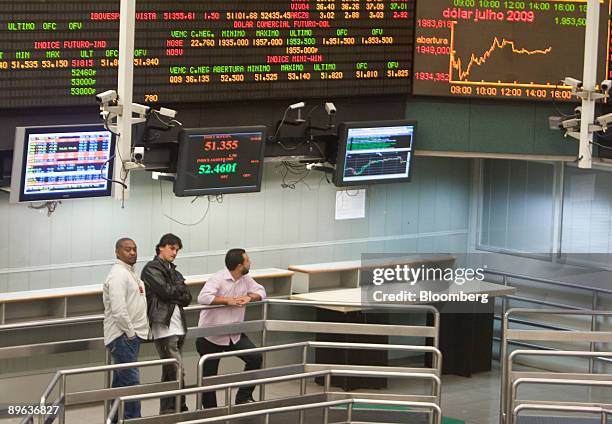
585,152
127,23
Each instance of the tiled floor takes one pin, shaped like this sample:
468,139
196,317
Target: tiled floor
474,400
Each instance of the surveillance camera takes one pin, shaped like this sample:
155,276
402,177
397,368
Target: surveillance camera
140,109
578,111
572,82
571,123
555,122
107,97
604,120
330,108
169,113
138,154
297,105
605,85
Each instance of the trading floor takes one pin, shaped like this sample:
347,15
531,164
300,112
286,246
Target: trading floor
305,211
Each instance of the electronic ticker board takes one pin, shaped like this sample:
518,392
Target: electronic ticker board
503,48
63,52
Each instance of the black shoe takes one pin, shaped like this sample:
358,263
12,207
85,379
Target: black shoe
243,401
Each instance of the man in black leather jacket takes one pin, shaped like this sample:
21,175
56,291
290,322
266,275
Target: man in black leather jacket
167,295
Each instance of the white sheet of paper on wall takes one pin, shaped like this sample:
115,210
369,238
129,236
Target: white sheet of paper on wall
350,204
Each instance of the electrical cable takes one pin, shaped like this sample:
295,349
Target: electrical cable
161,201
110,179
554,102
281,122
601,146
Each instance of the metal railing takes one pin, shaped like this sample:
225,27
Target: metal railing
567,406
349,403
66,398
594,291
508,376
304,346
119,403
602,412
264,325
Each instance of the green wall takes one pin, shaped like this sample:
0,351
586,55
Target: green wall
465,125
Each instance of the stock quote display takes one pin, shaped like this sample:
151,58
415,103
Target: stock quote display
63,52
217,162
503,48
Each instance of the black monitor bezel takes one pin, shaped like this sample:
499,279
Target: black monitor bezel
343,129
20,162
179,183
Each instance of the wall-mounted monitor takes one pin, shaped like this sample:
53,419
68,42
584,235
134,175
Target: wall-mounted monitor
61,162
374,152
220,160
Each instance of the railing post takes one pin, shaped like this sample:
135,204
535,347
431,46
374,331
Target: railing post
179,377
121,412
503,311
303,380
200,376
594,306
62,395
349,413
107,381
264,342
228,401
504,370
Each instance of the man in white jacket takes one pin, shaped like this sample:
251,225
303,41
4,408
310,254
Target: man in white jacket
125,318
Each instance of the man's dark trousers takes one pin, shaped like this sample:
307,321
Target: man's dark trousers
211,367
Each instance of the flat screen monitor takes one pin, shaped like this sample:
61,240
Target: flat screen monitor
374,152
61,162
220,160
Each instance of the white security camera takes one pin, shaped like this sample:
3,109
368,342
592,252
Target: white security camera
571,123
107,97
572,82
169,113
555,122
330,108
605,85
297,105
138,154
604,120
578,110
139,109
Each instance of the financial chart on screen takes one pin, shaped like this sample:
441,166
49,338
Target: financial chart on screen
503,48
63,52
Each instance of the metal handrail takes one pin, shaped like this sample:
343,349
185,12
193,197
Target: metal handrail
60,376
546,281
553,353
570,382
563,408
437,355
195,308
349,402
118,403
505,404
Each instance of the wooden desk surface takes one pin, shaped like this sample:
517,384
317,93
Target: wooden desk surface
96,289
354,295
359,264
255,273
